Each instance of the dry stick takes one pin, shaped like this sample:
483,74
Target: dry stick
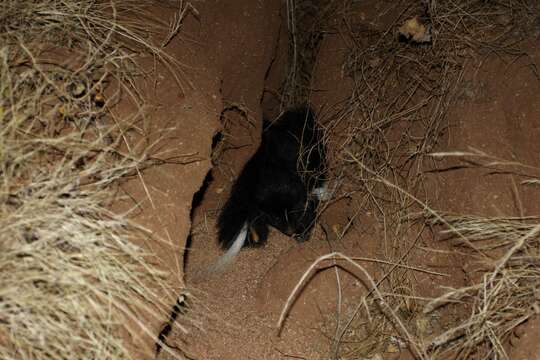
400,265
519,244
460,330
176,25
383,306
476,153
448,336
445,298
339,304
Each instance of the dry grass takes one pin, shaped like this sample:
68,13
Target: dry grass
502,293
397,112
504,269
382,136
502,297
73,284
402,91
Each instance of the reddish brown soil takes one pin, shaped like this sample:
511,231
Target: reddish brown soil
234,51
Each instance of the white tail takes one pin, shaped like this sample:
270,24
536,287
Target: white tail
235,248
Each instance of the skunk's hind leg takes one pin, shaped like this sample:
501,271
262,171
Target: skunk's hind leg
258,231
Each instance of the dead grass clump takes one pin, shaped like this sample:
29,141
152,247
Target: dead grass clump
504,275
503,294
72,283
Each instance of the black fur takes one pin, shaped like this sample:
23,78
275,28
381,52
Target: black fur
275,186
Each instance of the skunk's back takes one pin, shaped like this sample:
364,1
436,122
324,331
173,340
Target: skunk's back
296,141
283,140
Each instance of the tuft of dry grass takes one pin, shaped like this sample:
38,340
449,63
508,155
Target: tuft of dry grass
502,296
502,293
72,282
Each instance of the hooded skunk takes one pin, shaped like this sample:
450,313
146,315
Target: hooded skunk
280,186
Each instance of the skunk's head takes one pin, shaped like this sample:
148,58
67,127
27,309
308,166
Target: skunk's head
281,221
294,222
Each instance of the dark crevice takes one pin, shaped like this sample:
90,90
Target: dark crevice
196,201
179,308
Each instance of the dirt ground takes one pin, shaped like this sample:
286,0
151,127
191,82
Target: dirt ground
235,56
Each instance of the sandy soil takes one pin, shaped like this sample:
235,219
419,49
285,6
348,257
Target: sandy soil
233,54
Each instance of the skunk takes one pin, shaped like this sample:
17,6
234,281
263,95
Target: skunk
280,186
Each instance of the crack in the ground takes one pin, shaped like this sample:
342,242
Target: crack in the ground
179,308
